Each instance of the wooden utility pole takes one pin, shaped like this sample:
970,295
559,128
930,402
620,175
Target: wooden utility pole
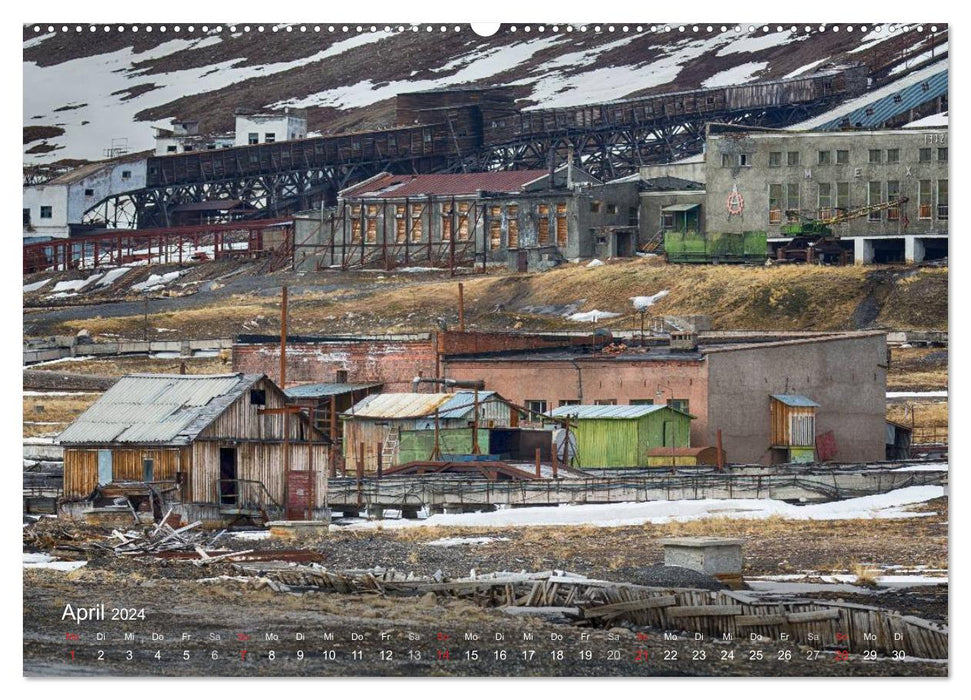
283,341
461,309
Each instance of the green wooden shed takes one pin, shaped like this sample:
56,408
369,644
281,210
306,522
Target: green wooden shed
621,436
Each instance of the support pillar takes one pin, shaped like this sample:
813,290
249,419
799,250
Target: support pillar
862,251
913,249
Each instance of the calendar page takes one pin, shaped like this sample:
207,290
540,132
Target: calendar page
365,349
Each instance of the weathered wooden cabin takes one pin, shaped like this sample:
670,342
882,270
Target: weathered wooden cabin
216,448
379,421
622,436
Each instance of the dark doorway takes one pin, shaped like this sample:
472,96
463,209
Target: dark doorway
227,476
522,261
625,244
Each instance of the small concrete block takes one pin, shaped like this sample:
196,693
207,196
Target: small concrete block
715,556
298,529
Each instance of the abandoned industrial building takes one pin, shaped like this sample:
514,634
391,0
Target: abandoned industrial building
883,194
725,383
216,448
524,218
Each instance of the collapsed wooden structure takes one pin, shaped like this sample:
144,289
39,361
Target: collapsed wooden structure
722,615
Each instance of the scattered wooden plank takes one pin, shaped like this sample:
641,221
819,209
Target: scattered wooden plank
631,606
703,610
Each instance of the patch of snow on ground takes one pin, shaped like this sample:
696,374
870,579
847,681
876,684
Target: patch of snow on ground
882,506
81,358
595,263
591,316
806,68
937,467
157,281
917,60
876,34
34,286
112,276
45,561
759,42
641,303
917,394
733,76
456,541
252,535
75,285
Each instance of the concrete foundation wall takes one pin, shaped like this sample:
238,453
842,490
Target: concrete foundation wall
846,376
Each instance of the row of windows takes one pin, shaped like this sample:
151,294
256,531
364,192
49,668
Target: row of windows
536,406
830,157
833,198
409,225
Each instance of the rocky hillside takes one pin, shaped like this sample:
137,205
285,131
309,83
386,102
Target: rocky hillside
85,90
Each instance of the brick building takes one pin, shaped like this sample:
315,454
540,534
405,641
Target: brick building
724,383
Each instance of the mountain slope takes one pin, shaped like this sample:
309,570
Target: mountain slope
84,90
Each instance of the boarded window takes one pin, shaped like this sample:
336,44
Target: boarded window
942,199
802,430
463,233
543,224
512,224
775,204
893,194
400,224
446,222
561,225
416,224
355,230
495,228
924,203
371,230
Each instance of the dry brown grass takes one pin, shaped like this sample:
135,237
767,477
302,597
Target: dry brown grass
779,297
51,414
119,366
920,414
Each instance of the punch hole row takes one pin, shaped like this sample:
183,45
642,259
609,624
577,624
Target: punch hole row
526,29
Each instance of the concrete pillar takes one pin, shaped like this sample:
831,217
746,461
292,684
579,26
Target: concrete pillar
374,513
913,249
862,251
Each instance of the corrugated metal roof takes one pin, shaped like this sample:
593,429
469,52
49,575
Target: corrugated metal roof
398,405
157,408
326,389
462,402
605,412
445,184
794,400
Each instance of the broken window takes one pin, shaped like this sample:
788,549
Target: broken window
595,207
562,234
512,224
605,402
46,213
463,232
743,160
446,222
842,157
356,223
252,138
569,402
171,149
893,194
400,225
825,200
893,155
269,137
257,397
678,404
535,406
611,208
641,402
89,193
775,159
825,158
792,158
942,154
874,193
775,204
842,196
792,197
875,155
495,228
726,160
667,220
126,174
942,200
543,224
924,200
924,155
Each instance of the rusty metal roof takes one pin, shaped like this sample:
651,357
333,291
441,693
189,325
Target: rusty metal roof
444,184
157,408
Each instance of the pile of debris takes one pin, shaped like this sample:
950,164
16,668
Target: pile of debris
164,538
